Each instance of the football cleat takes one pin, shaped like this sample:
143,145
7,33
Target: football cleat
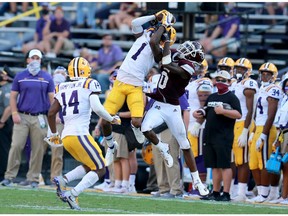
138,134
165,153
203,190
109,157
71,200
60,185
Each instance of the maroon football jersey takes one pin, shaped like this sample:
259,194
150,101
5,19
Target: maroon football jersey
171,85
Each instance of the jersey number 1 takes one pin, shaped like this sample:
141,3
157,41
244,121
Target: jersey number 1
134,57
73,102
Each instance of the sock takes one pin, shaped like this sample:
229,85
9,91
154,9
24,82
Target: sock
109,140
274,190
265,191
75,174
195,176
259,189
232,186
88,180
118,183
125,184
242,189
132,179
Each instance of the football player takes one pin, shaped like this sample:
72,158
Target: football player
265,134
176,71
76,99
245,89
130,79
227,64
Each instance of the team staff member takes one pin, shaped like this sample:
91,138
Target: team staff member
222,110
6,123
31,95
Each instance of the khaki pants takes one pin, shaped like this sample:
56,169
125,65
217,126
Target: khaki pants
168,178
29,126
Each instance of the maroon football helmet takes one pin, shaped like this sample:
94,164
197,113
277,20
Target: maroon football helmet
192,51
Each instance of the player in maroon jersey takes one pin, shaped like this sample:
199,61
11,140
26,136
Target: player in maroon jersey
176,71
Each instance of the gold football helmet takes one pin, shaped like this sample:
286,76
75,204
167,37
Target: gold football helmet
269,67
147,153
172,35
227,64
79,68
241,65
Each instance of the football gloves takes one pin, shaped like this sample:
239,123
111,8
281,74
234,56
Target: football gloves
242,139
54,140
261,141
168,20
116,120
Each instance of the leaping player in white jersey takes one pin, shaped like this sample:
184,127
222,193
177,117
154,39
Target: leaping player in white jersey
76,100
130,80
246,90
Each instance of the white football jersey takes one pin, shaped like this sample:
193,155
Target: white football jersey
272,91
138,61
74,100
239,92
191,92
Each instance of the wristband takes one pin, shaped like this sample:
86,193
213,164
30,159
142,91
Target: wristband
13,113
166,59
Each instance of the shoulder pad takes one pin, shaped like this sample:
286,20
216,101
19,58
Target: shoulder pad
249,83
274,91
92,85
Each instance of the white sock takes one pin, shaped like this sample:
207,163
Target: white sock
259,189
109,140
75,174
88,180
195,176
232,187
274,190
125,184
132,179
242,189
118,183
265,191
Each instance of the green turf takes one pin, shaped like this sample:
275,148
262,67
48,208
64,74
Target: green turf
44,201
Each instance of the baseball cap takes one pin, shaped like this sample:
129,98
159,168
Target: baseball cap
224,74
205,88
213,74
35,52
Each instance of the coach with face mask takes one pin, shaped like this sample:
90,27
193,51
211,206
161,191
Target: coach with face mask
31,95
220,111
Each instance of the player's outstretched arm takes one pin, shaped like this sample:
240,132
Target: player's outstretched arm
155,43
137,23
98,108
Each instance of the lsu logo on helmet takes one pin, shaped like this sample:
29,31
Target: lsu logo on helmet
79,68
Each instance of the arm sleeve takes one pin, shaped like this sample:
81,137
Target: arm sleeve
138,22
98,108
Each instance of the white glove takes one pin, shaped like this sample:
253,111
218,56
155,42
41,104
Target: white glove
116,120
242,139
261,141
250,138
168,20
194,130
54,140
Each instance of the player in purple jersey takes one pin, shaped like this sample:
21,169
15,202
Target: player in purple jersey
176,71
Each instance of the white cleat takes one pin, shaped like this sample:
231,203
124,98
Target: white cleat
72,200
138,134
102,186
239,198
109,157
203,190
284,202
279,200
164,149
257,199
60,185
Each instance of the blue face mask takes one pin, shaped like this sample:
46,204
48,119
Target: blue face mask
34,67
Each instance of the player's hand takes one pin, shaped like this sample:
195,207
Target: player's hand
242,139
194,130
116,120
199,114
54,140
168,20
160,13
261,141
219,109
250,139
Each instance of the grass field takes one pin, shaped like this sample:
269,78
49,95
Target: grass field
17,200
